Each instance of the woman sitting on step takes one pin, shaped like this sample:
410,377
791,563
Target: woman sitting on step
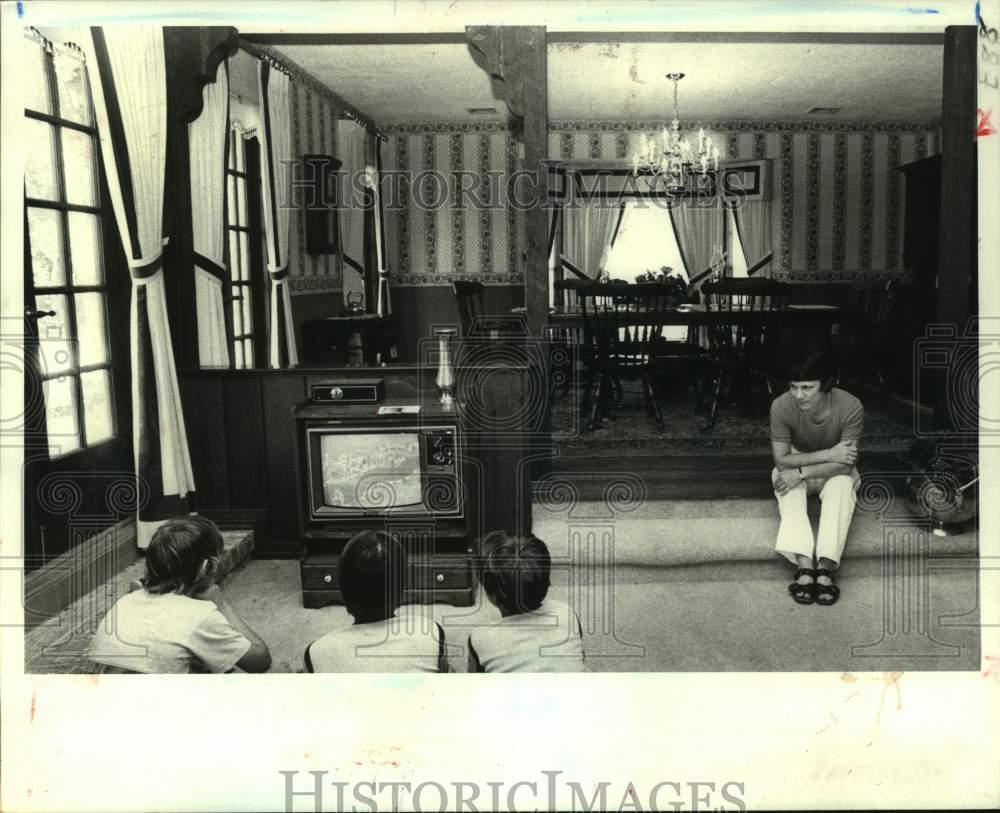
815,431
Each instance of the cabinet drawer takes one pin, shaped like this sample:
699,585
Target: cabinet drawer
437,573
440,573
320,576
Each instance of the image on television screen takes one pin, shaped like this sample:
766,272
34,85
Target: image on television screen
371,471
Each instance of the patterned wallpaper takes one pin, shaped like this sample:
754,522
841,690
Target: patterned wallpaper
836,202
314,130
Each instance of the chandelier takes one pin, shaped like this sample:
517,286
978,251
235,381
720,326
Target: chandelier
668,159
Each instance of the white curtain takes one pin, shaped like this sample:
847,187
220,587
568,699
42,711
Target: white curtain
351,147
127,75
276,153
753,220
698,229
588,227
207,141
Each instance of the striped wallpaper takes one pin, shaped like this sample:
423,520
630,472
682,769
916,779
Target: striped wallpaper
836,203
314,130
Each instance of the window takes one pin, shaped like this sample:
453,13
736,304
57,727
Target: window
645,242
66,275
238,233
737,258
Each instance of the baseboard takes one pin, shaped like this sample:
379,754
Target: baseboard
71,575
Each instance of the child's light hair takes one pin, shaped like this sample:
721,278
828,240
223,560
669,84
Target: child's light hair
515,570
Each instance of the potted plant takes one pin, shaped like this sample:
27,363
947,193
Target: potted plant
943,487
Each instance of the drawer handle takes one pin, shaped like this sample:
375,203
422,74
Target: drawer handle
440,577
328,578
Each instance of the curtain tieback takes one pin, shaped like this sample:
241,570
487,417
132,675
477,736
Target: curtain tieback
279,273
210,265
146,267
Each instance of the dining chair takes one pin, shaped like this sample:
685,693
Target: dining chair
867,337
621,323
473,317
744,341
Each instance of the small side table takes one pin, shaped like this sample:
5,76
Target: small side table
352,341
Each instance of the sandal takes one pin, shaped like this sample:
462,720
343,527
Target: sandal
825,594
803,593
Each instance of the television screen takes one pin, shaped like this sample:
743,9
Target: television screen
371,471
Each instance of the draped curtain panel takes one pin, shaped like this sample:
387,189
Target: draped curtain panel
588,227
351,151
208,140
276,149
753,222
127,75
699,234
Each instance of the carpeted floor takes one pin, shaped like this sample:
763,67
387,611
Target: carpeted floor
735,617
888,427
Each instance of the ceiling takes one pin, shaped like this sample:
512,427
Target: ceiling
623,81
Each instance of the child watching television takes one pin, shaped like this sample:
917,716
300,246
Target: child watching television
534,633
372,574
177,619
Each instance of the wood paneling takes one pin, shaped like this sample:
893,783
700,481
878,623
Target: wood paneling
241,426
280,396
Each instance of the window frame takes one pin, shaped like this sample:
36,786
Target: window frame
68,288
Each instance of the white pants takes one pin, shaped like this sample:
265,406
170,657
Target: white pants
795,535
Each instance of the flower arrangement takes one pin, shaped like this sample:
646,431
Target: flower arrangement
666,276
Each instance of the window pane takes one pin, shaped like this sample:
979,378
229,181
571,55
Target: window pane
241,147
231,160
35,83
48,266
231,200
240,362
91,333
85,248
55,348
74,99
244,256
247,323
60,415
241,188
248,353
234,256
78,160
96,387
40,160
237,313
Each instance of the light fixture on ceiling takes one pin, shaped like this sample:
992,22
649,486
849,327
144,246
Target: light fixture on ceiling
481,111
823,111
668,159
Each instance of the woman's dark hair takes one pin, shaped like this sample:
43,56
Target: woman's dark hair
177,551
515,570
813,364
372,574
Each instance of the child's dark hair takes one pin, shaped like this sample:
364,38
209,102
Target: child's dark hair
813,364
372,574
515,570
177,551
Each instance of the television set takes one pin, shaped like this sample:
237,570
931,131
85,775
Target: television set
363,471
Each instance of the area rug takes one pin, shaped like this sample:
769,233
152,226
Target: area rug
630,430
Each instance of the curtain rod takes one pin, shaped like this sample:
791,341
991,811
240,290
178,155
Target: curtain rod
295,72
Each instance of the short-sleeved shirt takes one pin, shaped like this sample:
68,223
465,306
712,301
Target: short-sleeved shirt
166,634
845,421
548,639
407,642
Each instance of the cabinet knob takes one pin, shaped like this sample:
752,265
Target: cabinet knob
328,578
440,577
